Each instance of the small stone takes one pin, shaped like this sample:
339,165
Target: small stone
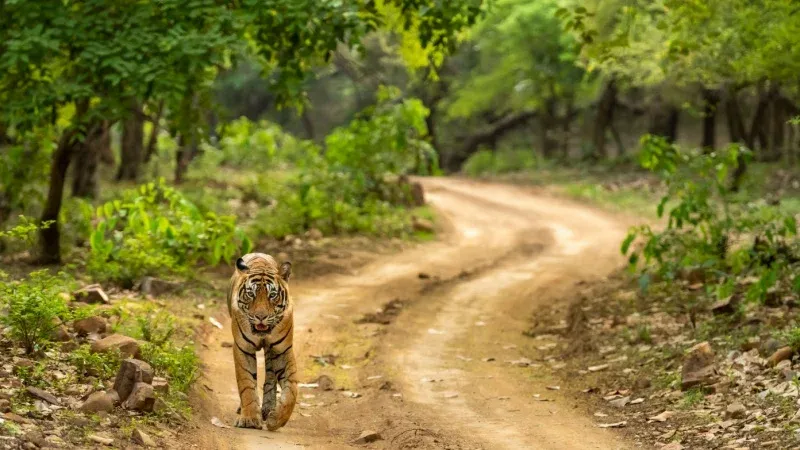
142,398
735,411
131,372
672,446
92,294
227,344
36,437
314,234
698,367
781,354
140,437
726,305
89,325
325,383
642,383
23,363
96,402
5,405
161,385
751,343
620,402
367,436
422,225
598,368
100,439
43,395
61,333
156,287
16,418
127,346
769,347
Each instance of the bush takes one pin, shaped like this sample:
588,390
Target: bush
154,230
34,308
707,229
485,162
101,365
178,364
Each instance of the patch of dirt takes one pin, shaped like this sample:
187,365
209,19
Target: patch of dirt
385,315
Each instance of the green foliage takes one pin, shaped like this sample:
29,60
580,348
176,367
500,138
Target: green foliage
707,229
101,365
24,230
178,364
487,162
156,328
154,230
34,307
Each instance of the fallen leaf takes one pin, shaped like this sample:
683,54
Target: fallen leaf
350,394
598,368
620,402
554,388
612,425
375,377
480,324
490,359
450,394
637,401
215,322
504,398
218,423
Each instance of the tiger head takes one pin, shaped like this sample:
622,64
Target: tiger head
260,291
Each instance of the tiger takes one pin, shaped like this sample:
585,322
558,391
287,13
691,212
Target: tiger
261,312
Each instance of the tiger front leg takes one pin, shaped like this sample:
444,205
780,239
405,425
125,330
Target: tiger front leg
246,372
270,386
285,369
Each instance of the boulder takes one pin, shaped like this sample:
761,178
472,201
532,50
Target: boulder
97,402
698,367
92,294
127,346
131,372
769,347
314,234
161,385
325,383
90,325
417,194
735,411
61,333
5,405
142,398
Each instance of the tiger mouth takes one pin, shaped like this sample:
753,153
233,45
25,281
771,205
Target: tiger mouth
260,327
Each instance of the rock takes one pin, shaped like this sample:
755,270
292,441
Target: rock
23,363
325,383
131,372
620,402
92,294
142,398
642,383
161,385
61,334
735,411
672,446
422,225
751,343
16,418
89,325
5,406
36,437
698,367
314,234
43,395
114,396
68,347
140,437
227,344
726,305
127,346
417,194
100,439
156,287
781,354
97,401
769,347
367,436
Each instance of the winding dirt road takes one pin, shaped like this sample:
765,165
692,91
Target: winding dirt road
426,380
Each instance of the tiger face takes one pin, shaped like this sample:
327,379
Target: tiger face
262,295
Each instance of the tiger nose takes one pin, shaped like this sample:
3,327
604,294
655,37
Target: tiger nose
261,317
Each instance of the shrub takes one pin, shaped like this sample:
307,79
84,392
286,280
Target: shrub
707,230
485,162
154,230
101,365
35,308
178,364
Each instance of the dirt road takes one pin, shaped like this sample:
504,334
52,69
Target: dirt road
438,374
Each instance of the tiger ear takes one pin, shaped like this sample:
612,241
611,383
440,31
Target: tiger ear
241,265
286,270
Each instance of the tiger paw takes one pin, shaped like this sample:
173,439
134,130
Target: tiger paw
272,421
248,422
265,413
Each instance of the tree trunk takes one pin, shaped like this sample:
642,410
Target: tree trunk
106,152
547,121
50,236
664,122
308,124
187,150
132,140
152,141
711,100
604,118
87,160
738,134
